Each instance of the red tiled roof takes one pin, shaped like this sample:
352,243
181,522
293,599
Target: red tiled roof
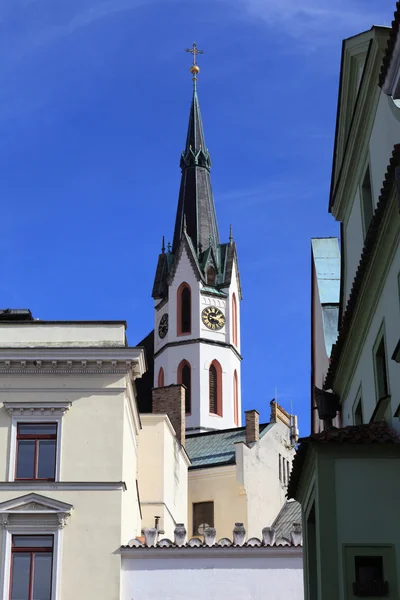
366,257
367,434
370,433
390,45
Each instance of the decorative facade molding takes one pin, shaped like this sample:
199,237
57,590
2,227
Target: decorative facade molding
34,504
41,409
106,486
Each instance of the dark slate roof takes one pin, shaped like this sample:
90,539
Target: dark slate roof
15,314
216,448
196,202
363,265
289,514
390,45
144,385
366,434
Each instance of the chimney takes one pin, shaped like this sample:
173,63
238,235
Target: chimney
252,426
170,400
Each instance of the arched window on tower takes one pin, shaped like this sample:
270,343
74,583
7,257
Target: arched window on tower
236,398
184,304
234,320
160,382
185,377
215,388
210,276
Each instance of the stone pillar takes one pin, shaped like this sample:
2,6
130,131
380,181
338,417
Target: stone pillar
252,426
170,400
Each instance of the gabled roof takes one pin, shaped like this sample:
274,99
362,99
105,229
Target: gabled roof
393,38
365,261
360,64
289,516
216,448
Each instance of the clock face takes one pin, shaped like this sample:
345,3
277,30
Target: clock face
213,317
163,326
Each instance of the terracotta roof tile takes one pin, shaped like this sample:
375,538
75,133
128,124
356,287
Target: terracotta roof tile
390,45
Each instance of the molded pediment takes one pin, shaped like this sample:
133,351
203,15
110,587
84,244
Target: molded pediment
34,503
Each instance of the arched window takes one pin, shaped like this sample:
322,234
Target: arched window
185,377
210,276
234,321
215,388
235,399
184,302
160,382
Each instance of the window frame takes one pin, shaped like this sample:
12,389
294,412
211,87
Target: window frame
36,438
8,534
179,332
161,378
195,533
182,364
235,331
236,398
367,169
358,402
218,369
34,419
381,337
32,550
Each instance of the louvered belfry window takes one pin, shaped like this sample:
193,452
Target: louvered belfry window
213,391
186,323
186,382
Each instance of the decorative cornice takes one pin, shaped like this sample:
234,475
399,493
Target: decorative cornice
37,511
199,341
44,409
105,486
33,361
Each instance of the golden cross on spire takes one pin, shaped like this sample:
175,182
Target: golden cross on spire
194,69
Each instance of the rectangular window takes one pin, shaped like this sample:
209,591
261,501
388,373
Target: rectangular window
203,516
31,567
358,414
36,451
280,467
287,472
369,577
366,201
381,370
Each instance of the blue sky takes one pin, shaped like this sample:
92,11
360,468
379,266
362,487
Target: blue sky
94,102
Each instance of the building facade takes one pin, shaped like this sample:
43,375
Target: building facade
345,476
112,457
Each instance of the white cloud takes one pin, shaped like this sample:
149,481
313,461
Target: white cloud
318,22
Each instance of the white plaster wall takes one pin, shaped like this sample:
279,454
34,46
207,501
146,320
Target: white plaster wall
91,445
219,485
353,244
131,520
385,134
387,309
163,475
212,578
266,494
29,335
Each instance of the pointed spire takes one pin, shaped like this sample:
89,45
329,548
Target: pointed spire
230,235
163,245
196,204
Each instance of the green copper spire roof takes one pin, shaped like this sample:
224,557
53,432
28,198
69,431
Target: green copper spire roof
196,202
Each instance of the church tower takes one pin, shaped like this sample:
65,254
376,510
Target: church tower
197,296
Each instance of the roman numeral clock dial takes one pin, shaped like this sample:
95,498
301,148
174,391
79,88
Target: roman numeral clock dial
213,318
